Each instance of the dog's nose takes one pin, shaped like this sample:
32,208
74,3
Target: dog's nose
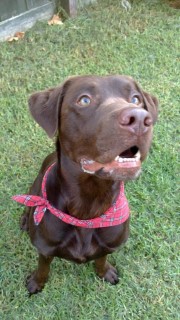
135,120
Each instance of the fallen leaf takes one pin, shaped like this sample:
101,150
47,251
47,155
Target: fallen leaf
16,37
10,39
55,20
19,35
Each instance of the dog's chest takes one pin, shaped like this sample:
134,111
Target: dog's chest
83,245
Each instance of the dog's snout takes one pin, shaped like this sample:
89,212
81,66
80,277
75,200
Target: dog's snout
135,120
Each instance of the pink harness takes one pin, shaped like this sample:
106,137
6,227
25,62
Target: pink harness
115,215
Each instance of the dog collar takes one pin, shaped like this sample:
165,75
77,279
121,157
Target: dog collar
115,215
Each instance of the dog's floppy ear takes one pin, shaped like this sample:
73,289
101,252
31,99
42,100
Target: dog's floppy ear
44,107
151,103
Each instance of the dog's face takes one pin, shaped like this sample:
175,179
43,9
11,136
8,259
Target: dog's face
105,124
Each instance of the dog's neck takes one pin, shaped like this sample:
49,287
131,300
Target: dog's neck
84,196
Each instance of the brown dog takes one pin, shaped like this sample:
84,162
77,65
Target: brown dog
104,130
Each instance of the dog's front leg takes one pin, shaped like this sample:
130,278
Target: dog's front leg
105,270
37,280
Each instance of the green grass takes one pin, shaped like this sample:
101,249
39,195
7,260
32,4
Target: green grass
103,39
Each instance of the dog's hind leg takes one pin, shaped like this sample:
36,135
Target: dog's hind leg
24,220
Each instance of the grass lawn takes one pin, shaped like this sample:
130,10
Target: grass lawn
103,39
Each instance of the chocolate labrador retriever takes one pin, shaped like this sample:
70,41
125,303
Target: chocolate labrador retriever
76,207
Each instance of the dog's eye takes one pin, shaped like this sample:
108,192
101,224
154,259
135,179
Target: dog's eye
84,101
135,100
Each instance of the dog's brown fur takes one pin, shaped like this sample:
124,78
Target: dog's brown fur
100,131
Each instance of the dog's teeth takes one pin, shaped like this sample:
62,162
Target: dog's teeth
120,160
87,171
90,161
135,158
138,155
84,161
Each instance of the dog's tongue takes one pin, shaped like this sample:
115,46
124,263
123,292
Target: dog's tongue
91,166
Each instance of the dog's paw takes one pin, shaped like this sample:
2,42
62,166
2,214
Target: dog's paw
111,275
32,284
108,273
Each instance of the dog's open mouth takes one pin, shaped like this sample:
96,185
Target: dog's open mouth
127,160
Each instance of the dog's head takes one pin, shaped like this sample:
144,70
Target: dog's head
104,124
